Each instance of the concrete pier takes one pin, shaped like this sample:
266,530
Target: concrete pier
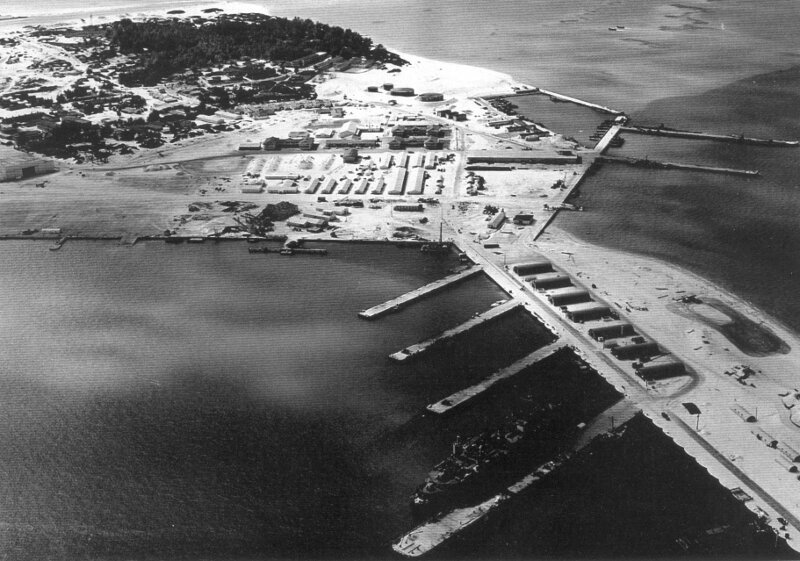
601,146
435,532
409,297
479,319
461,397
595,106
709,136
637,162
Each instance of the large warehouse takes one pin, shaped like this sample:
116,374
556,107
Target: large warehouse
519,157
19,165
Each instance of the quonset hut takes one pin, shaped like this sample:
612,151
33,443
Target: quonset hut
668,368
636,351
533,268
611,330
587,311
568,295
548,281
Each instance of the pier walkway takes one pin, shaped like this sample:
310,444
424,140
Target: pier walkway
409,297
461,397
710,136
478,319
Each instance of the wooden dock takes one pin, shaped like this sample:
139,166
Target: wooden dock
709,136
478,319
461,397
409,297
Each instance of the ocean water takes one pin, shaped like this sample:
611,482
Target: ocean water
162,401
192,401
739,232
725,67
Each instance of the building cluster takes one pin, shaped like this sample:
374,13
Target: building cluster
617,336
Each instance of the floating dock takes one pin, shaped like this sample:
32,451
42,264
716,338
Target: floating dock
637,162
479,319
409,297
459,398
709,136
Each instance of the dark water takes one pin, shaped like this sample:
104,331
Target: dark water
740,232
632,498
568,119
170,401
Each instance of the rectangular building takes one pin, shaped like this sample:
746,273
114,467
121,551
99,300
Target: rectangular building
344,186
395,181
328,185
313,186
519,157
418,160
401,160
385,162
378,186
416,181
361,186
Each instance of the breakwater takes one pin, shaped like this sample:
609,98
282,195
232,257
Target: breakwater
739,139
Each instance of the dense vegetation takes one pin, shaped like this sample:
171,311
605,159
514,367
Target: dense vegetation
173,45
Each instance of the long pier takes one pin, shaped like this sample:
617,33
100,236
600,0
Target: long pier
638,162
409,297
709,136
461,397
556,96
478,319
575,100
435,532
